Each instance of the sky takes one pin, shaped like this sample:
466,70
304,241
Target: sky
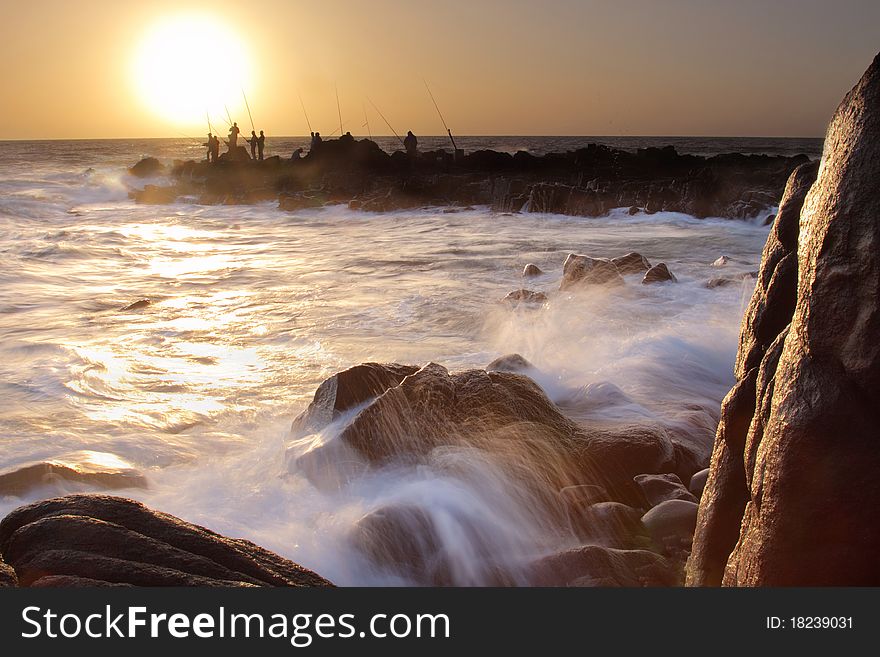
126,69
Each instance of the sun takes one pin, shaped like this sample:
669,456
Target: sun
188,66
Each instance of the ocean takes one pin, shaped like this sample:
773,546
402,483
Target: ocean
252,307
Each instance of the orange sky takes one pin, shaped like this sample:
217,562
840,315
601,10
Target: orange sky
565,67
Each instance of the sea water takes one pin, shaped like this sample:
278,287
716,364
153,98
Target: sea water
251,308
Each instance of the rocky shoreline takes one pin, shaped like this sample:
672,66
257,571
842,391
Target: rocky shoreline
786,496
588,182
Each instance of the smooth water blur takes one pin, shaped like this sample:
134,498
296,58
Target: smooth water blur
251,308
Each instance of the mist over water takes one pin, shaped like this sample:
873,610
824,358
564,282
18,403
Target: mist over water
251,308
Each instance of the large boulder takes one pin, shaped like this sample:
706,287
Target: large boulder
117,540
583,270
347,389
659,273
793,491
508,416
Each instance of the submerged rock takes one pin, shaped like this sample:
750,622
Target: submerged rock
659,273
593,565
793,492
721,261
529,297
94,469
120,541
584,270
140,304
611,524
531,270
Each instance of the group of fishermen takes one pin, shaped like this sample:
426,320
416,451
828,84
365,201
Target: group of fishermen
257,143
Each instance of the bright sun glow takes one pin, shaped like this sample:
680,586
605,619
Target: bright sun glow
187,66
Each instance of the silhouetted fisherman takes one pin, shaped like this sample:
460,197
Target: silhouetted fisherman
347,138
261,144
411,144
210,146
214,148
316,141
253,143
297,154
233,136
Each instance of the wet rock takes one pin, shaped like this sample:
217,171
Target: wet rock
120,541
611,524
8,578
147,167
633,210
509,417
94,469
294,202
140,304
807,491
593,565
73,582
769,219
727,281
659,488
698,483
631,263
659,273
583,495
584,270
510,363
531,270
672,519
529,297
764,324
721,261
347,389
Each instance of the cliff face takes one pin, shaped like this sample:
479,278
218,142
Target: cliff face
794,485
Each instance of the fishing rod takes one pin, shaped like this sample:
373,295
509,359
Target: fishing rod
306,114
442,120
338,109
367,121
386,121
253,127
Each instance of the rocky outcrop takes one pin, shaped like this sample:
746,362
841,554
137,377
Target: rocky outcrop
82,539
590,181
95,469
532,270
792,492
659,488
510,363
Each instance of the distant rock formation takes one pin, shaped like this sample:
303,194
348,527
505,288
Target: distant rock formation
793,489
97,540
590,181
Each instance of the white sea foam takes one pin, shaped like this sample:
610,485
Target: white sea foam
251,308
